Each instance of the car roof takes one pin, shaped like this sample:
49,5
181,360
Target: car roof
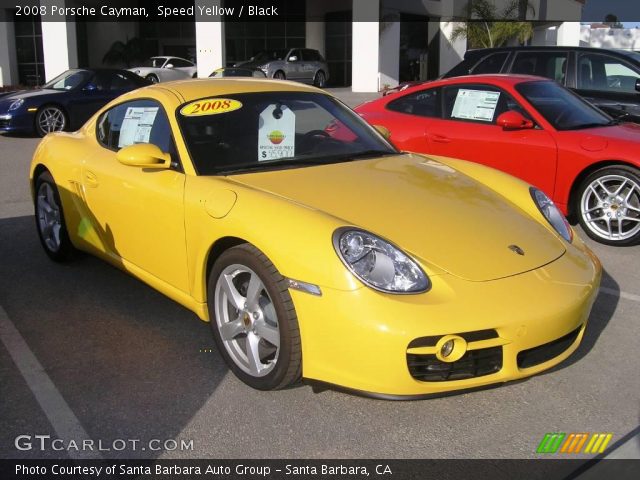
495,78
484,51
193,89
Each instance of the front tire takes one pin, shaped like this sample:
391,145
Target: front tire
50,118
608,205
152,78
253,319
50,221
279,75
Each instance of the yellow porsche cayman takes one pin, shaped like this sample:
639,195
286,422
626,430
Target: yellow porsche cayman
314,248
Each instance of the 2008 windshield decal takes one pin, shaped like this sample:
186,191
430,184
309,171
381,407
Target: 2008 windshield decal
210,106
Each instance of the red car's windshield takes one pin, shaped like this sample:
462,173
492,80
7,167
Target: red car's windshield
562,108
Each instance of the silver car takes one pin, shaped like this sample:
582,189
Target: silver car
299,64
165,69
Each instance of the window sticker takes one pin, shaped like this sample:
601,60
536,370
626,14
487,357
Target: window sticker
276,133
210,106
136,126
475,105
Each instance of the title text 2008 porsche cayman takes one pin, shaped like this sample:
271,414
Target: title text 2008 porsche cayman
316,249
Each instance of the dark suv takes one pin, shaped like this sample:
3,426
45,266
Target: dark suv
610,79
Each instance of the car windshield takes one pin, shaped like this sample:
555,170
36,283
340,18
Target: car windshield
274,130
562,108
270,55
154,62
68,80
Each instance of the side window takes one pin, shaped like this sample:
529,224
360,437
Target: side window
478,103
425,103
139,121
295,53
552,65
179,63
491,64
602,72
310,55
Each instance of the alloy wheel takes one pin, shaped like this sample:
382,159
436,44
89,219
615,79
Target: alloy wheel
610,207
246,320
49,218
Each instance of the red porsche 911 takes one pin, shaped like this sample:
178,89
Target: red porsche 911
532,128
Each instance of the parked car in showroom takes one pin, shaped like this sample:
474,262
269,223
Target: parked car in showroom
300,64
535,129
334,259
608,78
66,102
166,69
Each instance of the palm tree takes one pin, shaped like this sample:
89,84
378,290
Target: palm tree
483,31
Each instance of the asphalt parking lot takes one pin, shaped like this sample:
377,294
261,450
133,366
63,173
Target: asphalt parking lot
89,352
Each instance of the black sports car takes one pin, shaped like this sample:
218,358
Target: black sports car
66,102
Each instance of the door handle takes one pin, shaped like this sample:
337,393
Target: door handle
439,138
90,179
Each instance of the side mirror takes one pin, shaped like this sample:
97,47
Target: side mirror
513,120
169,65
90,87
293,58
145,155
384,131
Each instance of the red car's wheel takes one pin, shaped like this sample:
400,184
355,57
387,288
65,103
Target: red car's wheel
609,205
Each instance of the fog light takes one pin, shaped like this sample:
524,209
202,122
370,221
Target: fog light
447,348
451,348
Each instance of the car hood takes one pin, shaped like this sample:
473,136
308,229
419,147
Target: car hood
433,212
39,95
597,139
25,94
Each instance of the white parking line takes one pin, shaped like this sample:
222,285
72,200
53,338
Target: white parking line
62,419
616,293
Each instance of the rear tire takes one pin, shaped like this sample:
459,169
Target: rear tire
50,221
253,319
320,79
608,205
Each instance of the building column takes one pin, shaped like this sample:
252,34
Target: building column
8,63
365,48
210,53
390,50
451,52
59,45
568,34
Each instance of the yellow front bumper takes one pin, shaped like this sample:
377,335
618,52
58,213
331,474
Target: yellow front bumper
360,339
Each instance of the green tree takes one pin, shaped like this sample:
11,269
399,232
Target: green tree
612,21
484,31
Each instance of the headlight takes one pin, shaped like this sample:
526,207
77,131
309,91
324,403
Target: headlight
552,214
377,263
16,104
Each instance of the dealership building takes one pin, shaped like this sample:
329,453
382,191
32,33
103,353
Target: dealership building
368,44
